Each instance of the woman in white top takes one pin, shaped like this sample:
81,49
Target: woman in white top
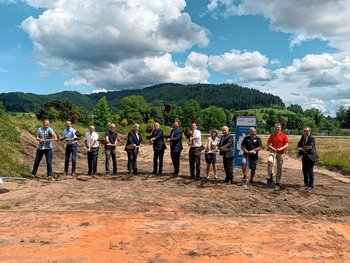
210,152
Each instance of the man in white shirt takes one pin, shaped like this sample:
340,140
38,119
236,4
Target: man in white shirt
194,141
71,147
92,146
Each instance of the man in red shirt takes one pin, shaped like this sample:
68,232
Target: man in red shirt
277,143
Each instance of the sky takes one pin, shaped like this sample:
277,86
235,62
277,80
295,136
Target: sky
298,50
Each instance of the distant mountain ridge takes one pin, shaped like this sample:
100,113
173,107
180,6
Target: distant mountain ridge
228,96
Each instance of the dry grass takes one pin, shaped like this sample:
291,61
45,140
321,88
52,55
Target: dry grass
332,152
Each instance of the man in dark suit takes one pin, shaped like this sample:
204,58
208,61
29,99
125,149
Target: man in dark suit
132,148
175,139
157,139
227,151
307,148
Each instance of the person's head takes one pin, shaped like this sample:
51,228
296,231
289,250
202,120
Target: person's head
307,131
176,125
252,131
194,126
136,127
91,128
225,130
156,126
68,125
278,127
112,127
46,123
213,133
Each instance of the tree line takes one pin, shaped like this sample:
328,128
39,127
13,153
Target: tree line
135,109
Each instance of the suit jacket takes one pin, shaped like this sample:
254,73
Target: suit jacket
176,140
132,139
158,143
311,147
228,143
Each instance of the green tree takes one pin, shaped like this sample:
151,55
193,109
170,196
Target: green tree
295,108
191,113
213,117
101,114
135,109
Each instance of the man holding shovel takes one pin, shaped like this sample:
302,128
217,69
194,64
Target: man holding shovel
277,143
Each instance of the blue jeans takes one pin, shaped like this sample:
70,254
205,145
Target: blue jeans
92,160
39,155
70,149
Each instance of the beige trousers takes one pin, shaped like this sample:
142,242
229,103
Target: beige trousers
279,161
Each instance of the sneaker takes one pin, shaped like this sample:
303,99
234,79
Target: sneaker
277,186
49,178
310,188
34,176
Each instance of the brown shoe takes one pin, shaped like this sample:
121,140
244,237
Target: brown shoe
65,174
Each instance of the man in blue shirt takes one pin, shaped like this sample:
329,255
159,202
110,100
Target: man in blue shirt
71,147
45,136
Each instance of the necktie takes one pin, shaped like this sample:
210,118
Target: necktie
305,140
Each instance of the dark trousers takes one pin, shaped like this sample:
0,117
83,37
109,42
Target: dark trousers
111,153
308,171
70,149
228,166
39,155
132,162
158,155
175,158
92,160
195,162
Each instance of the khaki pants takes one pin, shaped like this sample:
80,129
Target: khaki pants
279,159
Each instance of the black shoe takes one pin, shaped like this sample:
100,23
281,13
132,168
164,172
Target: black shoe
175,175
191,177
34,176
154,172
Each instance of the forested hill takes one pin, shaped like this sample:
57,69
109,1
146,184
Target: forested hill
228,96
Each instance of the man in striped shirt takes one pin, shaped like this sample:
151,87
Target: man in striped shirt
45,136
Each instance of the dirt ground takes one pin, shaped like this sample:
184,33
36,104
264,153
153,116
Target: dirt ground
145,218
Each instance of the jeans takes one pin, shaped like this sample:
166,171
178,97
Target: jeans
228,166
111,153
70,149
92,160
195,162
39,155
158,154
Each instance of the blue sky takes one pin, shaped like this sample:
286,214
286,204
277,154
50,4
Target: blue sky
298,50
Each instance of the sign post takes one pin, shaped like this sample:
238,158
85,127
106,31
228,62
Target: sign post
243,124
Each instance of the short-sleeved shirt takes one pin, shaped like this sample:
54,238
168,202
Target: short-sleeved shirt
278,141
197,142
213,143
45,134
90,137
251,144
70,134
112,137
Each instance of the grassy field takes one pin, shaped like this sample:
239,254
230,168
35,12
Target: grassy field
333,152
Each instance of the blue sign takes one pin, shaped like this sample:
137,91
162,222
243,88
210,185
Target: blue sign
243,124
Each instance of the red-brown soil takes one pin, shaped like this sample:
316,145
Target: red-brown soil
158,219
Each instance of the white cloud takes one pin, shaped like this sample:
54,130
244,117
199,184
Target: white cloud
74,82
111,43
305,20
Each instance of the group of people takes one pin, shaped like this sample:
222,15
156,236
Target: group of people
251,145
